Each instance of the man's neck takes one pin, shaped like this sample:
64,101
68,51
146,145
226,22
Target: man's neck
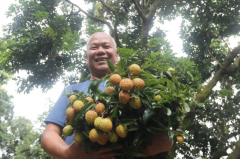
98,76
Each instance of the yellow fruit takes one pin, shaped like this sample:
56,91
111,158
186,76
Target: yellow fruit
70,113
124,97
135,103
171,70
90,116
94,135
135,69
126,84
109,90
78,138
121,131
138,83
157,98
89,99
71,99
77,105
180,139
103,139
115,79
99,108
106,125
67,130
97,122
113,137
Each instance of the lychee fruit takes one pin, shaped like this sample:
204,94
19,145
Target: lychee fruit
97,122
121,130
106,125
77,105
135,69
71,99
78,138
157,98
67,130
110,90
113,137
171,70
138,83
103,139
115,79
94,135
70,113
135,102
90,116
126,84
99,108
124,96
180,139
89,99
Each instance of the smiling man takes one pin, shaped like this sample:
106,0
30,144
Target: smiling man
100,47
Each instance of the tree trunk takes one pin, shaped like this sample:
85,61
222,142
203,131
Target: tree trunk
145,32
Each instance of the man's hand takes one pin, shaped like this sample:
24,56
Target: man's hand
75,151
159,144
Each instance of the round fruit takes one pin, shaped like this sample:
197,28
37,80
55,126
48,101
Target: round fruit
157,98
89,99
106,125
78,138
94,135
97,122
115,79
70,113
103,139
138,83
171,70
124,97
77,105
135,103
109,90
180,139
99,108
90,116
71,99
121,131
126,84
67,130
113,137
135,69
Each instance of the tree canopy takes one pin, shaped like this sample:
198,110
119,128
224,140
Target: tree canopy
47,38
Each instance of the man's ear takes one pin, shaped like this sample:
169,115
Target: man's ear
117,55
86,58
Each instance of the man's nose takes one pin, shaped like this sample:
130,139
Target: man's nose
101,50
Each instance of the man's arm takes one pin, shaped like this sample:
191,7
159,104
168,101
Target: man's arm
54,145
159,144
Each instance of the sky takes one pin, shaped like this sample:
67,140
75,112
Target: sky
36,102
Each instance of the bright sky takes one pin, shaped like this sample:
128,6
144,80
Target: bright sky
33,104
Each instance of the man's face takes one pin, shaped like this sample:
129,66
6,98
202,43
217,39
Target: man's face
100,49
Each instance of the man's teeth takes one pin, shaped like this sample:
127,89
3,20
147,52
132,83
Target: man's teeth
101,60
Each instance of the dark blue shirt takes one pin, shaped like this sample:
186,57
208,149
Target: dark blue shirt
58,113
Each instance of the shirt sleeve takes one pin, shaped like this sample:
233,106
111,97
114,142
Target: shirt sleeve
58,114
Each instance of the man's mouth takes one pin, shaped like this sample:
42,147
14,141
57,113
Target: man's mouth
97,60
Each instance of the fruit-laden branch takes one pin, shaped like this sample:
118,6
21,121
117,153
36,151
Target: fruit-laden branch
115,33
203,95
236,152
92,17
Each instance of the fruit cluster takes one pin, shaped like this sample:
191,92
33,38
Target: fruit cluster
127,105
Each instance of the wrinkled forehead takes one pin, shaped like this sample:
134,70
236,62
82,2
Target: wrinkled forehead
100,39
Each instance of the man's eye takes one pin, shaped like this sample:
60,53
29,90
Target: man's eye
106,47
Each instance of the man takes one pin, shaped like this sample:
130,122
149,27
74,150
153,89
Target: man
100,47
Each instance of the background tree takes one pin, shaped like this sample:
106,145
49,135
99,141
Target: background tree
46,39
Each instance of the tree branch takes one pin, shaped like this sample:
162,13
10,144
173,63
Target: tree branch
220,153
236,152
139,10
92,17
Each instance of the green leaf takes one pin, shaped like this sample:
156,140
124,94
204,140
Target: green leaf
128,121
84,145
170,135
155,130
169,112
186,107
146,103
111,66
147,114
83,111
